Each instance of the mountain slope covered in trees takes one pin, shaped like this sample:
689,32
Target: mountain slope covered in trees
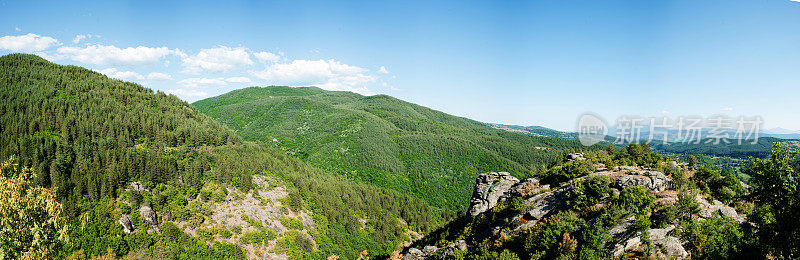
112,150
382,140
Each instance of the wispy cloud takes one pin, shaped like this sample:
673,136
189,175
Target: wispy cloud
158,76
383,70
80,37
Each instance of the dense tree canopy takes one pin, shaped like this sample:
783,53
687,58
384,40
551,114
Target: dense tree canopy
382,140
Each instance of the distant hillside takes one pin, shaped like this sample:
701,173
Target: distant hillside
382,140
706,146
761,149
535,131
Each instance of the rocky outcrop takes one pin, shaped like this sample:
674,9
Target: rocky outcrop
430,252
575,157
125,221
137,186
664,245
540,202
707,210
490,188
654,180
150,215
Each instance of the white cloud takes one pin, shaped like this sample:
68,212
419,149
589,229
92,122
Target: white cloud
203,82
27,43
111,55
238,80
80,37
212,82
383,70
266,56
188,94
17,29
122,75
50,57
326,74
158,76
729,108
220,59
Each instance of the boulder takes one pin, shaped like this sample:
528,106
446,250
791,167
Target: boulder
490,187
414,254
707,210
671,247
150,215
429,250
653,180
632,180
575,157
125,221
137,186
664,245
452,247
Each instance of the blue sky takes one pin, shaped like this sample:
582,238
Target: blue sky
527,62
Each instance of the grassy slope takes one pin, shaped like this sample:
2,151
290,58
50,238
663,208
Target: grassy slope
380,139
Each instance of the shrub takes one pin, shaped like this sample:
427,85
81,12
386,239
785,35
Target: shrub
587,192
636,199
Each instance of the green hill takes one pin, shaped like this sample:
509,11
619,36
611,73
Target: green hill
382,140
89,137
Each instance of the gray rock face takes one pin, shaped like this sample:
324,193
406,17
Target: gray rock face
453,247
150,215
137,186
541,205
490,187
429,250
653,180
707,210
125,221
414,254
666,246
575,157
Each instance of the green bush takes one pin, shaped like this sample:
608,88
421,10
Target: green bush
637,200
587,192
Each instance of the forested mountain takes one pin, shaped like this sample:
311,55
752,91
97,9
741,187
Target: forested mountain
382,140
143,174
535,130
89,135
